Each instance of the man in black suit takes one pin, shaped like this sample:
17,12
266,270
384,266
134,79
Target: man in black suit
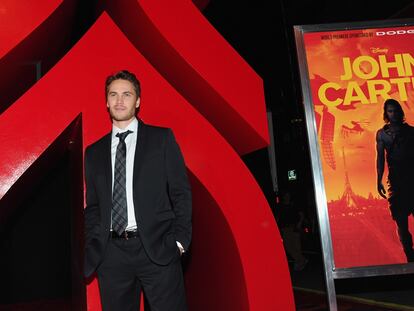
138,207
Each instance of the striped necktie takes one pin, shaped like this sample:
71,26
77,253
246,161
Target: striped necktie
119,201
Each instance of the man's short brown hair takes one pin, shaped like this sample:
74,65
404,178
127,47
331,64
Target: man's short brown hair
123,75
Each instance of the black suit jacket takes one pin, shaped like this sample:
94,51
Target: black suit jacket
161,194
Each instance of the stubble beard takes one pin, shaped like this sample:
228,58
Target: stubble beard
121,118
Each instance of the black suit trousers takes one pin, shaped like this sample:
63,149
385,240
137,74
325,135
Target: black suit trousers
126,270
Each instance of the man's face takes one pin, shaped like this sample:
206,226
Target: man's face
393,114
122,100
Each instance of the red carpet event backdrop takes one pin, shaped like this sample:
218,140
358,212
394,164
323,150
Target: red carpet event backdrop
193,82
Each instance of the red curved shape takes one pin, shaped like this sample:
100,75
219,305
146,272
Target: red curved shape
250,251
29,15
177,40
26,30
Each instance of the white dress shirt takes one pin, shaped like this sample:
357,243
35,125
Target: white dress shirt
131,143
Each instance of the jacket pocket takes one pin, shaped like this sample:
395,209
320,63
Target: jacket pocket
164,215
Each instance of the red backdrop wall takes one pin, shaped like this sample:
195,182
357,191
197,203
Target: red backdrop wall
193,82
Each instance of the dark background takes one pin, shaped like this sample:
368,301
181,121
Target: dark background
262,33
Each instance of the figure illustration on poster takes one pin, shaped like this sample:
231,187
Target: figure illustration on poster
395,144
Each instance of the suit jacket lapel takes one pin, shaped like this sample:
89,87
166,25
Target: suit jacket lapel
107,164
139,153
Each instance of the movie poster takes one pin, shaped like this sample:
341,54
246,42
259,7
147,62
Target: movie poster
351,74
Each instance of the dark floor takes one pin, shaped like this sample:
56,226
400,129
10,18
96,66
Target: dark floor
379,293
316,301
368,294
42,305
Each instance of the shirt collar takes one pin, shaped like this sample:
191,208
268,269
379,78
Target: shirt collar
133,126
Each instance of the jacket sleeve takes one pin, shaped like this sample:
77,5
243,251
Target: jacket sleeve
179,191
91,212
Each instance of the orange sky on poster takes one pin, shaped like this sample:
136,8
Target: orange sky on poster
357,121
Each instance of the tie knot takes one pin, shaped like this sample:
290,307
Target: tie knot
123,135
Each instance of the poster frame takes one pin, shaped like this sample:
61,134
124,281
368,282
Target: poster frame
330,271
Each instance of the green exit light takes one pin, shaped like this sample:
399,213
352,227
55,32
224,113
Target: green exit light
292,175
